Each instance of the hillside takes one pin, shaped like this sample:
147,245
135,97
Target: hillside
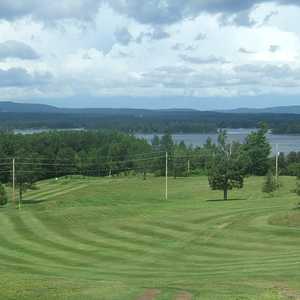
7,106
116,238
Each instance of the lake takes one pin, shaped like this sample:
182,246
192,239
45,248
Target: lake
286,143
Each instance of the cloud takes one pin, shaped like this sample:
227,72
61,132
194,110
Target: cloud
49,10
269,16
172,11
18,77
242,19
178,46
149,12
201,37
15,49
123,36
280,72
274,48
155,35
201,60
246,51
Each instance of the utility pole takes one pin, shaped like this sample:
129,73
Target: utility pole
277,163
166,196
13,181
189,167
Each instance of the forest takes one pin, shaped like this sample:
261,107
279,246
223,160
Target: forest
148,121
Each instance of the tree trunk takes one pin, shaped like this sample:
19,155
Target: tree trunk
226,193
144,175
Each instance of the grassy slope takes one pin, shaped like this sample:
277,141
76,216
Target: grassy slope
113,238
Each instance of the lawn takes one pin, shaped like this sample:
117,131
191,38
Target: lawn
118,239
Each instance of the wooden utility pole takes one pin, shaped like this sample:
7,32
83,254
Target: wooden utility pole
13,181
277,163
166,195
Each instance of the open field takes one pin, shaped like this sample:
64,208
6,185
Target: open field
117,239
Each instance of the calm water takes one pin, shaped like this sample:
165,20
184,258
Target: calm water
286,143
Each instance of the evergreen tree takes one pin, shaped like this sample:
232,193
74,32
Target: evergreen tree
3,195
270,184
258,150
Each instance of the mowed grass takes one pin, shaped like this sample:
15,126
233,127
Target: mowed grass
115,238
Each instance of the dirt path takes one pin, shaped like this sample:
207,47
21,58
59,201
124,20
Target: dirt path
289,293
149,294
184,296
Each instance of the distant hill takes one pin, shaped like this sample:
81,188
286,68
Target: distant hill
268,110
12,107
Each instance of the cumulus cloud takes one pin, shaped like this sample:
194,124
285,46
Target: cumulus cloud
18,77
15,49
169,33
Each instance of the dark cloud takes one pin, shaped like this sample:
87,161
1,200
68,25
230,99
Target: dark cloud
18,77
171,11
201,60
49,10
238,19
15,49
146,12
123,36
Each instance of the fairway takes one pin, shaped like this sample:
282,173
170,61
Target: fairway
118,239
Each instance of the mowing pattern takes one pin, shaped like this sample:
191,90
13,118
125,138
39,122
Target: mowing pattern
187,244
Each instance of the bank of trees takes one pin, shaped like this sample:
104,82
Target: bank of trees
148,121
106,153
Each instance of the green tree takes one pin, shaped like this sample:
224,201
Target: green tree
258,150
270,184
3,195
180,160
226,167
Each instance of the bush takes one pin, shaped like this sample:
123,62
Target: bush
3,195
270,184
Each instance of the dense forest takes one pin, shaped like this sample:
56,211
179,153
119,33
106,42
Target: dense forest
147,121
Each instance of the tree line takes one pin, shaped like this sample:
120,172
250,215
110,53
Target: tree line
110,153
148,121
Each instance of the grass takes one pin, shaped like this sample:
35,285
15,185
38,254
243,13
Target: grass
115,238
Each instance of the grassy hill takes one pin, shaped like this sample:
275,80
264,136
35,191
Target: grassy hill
118,239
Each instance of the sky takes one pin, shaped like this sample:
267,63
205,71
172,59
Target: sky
203,54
